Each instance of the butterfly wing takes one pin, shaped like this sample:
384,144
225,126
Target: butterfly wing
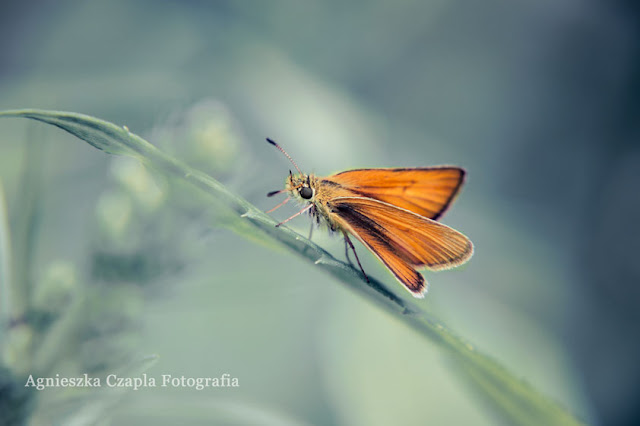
426,191
403,240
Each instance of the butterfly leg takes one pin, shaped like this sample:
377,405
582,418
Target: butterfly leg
348,241
278,206
304,251
346,253
295,215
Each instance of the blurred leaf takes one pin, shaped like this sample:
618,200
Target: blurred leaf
26,219
5,265
59,340
515,400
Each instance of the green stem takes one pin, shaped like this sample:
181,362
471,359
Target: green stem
5,271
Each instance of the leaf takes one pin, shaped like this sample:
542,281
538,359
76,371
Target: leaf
5,265
515,400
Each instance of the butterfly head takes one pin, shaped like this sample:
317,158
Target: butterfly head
301,186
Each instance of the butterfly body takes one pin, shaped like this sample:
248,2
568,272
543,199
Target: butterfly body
392,212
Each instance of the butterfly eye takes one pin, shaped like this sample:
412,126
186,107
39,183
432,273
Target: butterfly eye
306,193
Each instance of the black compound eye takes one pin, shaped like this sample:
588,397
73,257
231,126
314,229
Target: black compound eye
306,193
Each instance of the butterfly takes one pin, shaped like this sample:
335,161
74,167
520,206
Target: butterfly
392,212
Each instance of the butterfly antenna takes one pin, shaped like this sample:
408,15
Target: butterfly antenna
285,153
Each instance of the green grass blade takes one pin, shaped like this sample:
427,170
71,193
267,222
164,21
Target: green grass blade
5,271
515,400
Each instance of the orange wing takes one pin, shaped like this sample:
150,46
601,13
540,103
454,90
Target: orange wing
402,239
426,191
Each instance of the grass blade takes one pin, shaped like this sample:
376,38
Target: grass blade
5,271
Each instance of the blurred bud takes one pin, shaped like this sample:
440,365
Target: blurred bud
205,136
18,346
210,133
114,213
55,292
142,186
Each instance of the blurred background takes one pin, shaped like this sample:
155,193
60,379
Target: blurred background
536,99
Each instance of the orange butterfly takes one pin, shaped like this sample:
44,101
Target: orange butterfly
392,212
